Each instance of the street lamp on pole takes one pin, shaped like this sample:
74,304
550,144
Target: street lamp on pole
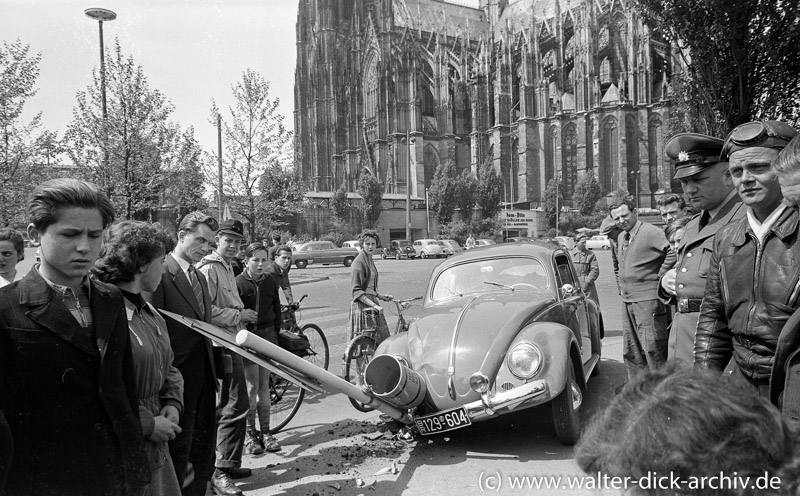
636,174
100,15
408,184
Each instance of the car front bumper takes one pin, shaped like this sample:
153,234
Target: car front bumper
489,406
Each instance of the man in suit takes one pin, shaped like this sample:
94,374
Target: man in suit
707,184
67,383
644,255
184,291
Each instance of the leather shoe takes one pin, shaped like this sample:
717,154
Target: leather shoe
222,484
238,472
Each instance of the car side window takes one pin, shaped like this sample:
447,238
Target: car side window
564,271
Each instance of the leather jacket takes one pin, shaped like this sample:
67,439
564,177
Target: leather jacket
751,292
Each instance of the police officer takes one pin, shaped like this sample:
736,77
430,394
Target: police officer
587,267
708,188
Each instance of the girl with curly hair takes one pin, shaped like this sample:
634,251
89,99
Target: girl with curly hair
131,259
364,278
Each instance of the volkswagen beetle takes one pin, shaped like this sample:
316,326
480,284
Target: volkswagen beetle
502,328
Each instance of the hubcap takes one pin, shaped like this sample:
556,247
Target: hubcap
577,396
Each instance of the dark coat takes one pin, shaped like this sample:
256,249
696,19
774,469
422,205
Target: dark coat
175,294
694,255
784,382
749,296
69,395
360,272
588,271
261,296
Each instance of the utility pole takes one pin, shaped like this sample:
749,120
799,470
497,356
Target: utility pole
408,185
219,164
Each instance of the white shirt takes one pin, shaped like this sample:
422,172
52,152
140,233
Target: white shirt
761,229
183,263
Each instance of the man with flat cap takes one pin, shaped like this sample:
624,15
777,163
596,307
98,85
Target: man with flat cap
228,312
752,285
708,188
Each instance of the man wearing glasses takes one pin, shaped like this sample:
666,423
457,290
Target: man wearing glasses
752,286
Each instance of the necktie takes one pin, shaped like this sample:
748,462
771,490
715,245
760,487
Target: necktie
197,288
704,219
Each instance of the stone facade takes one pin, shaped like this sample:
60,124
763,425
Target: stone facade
542,88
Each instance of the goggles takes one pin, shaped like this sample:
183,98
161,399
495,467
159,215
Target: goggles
767,134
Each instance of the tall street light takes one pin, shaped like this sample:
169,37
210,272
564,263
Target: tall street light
408,184
100,15
635,175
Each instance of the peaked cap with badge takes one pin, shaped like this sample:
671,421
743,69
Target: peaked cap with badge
693,153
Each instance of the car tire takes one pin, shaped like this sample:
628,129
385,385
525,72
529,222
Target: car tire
606,247
423,255
348,261
566,415
301,264
397,256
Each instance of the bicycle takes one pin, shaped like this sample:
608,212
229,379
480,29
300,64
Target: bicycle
361,348
285,396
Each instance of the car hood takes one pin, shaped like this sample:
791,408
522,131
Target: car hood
451,340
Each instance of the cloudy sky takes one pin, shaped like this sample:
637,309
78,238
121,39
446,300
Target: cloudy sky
191,50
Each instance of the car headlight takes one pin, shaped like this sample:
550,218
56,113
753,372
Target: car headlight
524,360
479,383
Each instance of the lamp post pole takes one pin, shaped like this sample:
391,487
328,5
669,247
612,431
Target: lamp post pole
636,173
408,186
427,214
100,15
557,208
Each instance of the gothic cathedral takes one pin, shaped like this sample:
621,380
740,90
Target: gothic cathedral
544,89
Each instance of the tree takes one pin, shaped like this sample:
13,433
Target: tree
282,197
256,143
442,193
741,58
371,190
550,203
129,153
489,191
587,193
339,205
466,186
21,143
185,182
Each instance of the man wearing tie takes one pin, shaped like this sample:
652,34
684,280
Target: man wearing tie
184,290
707,185
644,255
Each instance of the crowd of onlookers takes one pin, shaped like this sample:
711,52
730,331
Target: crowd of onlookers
99,393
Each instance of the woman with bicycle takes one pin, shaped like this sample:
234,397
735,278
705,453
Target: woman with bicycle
259,292
364,278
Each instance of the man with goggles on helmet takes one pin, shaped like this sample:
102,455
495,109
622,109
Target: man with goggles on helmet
752,283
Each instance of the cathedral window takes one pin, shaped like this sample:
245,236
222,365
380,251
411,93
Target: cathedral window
605,71
602,39
371,90
428,104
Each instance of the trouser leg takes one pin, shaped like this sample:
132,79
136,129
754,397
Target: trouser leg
233,416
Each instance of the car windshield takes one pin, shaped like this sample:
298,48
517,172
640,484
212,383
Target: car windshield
486,276
404,243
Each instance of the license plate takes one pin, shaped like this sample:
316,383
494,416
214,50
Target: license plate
442,421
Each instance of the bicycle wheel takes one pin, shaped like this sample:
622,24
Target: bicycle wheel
358,354
285,398
319,353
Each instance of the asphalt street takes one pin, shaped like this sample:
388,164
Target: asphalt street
329,448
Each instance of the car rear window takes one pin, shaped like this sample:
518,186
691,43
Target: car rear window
521,273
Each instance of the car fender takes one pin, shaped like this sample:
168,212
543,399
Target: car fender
396,345
556,342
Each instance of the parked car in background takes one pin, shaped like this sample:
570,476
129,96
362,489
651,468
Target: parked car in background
399,248
599,242
519,239
478,363
566,242
452,247
428,248
322,252
484,242
352,244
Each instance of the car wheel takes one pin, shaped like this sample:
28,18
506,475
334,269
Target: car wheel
348,261
423,255
606,247
383,255
397,256
301,264
566,409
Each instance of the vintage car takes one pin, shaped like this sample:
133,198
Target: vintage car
398,249
450,246
598,242
428,248
353,243
484,242
322,252
501,329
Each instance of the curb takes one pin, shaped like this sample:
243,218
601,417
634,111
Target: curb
307,280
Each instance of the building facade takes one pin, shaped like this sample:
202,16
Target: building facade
544,89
